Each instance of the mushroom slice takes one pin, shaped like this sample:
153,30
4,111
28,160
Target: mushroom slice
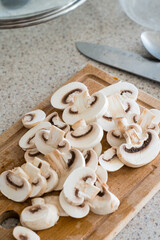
55,120
47,140
130,106
27,140
64,95
55,201
138,152
102,175
98,149
105,202
145,119
40,216
115,138
85,136
49,174
64,146
115,106
91,158
23,233
156,113
79,186
106,122
33,118
125,89
109,160
30,154
75,211
38,182
85,107
64,164
15,186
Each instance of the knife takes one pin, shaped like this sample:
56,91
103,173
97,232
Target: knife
121,59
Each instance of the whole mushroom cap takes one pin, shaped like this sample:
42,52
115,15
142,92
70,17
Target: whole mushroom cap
64,95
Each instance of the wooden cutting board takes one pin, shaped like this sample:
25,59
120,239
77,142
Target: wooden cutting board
134,187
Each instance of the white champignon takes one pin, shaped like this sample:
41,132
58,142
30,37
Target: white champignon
86,107
37,181
110,161
115,106
39,216
145,119
102,175
33,118
49,174
139,151
30,154
23,233
64,95
27,140
125,89
64,146
79,186
75,211
14,185
156,113
85,136
98,149
106,122
91,158
64,164
130,106
115,138
55,120
47,140
54,200
105,202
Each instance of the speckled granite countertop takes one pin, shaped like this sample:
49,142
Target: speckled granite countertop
36,60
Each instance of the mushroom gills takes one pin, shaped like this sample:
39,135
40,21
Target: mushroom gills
55,120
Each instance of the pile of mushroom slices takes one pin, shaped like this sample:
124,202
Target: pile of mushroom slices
66,155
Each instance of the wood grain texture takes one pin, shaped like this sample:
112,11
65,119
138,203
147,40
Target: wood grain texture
134,187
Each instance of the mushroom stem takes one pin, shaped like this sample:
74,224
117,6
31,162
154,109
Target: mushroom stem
55,137
146,119
132,137
78,124
115,106
88,191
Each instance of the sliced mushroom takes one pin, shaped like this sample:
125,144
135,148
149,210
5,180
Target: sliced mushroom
91,158
38,182
64,164
15,186
115,138
98,149
30,154
55,201
105,202
40,216
130,106
145,119
64,95
85,136
106,122
75,211
115,106
27,140
49,174
79,186
124,89
102,175
55,120
64,146
156,113
109,160
23,233
47,140
138,152
85,107
33,118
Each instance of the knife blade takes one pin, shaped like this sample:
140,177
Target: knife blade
121,59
